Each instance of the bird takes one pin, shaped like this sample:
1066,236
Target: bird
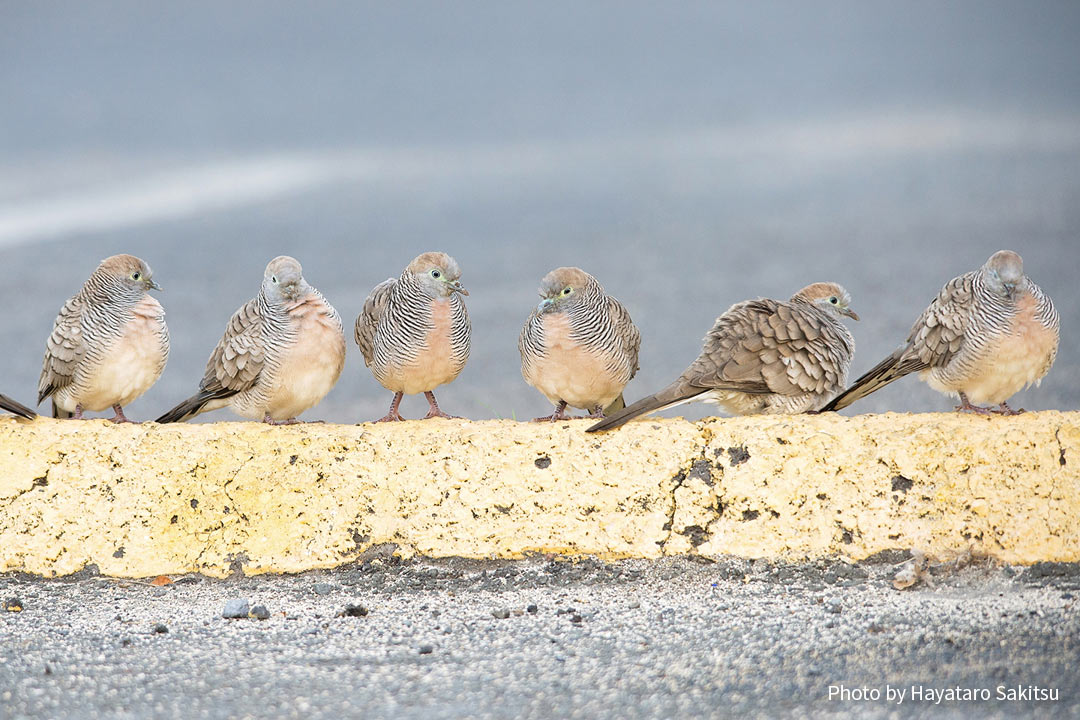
765,356
109,343
281,354
414,331
579,347
13,406
987,335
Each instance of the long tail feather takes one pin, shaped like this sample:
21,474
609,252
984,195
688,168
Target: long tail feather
877,377
13,406
189,408
673,394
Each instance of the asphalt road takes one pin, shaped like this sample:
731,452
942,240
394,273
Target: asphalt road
634,639
690,157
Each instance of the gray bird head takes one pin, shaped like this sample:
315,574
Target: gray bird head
830,297
437,273
563,288
130,272
283,279
1004,271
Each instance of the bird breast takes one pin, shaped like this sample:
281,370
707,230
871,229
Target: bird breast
568,371
132,363
312,363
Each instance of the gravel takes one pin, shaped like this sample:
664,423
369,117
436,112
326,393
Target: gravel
633,639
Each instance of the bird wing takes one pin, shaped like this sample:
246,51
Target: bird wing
626,333
239,357
766,346
64,350
368,319
939,333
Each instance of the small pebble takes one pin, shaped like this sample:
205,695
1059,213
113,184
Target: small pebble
834,607
532,609
13,605
575,618
160,629
236,608
323,588
427,649
260,612
353,611
501,613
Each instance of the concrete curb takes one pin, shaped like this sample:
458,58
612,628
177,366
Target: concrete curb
142,500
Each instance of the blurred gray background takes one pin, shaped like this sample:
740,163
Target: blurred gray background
688,155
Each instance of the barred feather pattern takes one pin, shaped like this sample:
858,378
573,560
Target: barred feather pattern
599,325
958,337
86,329
393,329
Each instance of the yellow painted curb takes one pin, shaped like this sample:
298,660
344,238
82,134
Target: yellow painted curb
142,500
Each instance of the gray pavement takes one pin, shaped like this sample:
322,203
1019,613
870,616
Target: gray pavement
632,639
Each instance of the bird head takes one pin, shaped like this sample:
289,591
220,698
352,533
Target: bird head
830,297
562,288
130,271
1004,272
283,279
438,274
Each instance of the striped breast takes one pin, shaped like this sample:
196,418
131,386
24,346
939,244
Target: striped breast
309,366
129,352
558,360
425,342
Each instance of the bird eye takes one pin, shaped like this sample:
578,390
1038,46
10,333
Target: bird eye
436,274
567,290
136,276
833,300
273,279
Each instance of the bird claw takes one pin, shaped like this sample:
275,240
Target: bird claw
1004,409
271,421
437,413
390,417
973,409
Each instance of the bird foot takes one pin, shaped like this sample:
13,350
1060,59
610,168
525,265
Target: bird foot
554,417
271,421
391,417
119,417
437,413
967,407
597,413
1004,409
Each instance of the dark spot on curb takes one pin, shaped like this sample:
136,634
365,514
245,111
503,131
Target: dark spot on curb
119,552
738,455
846,537
292,459
822,496
1061,461
750,514
543,462
702,470
696,533
194,503
43,481
174,519
781,441
901,483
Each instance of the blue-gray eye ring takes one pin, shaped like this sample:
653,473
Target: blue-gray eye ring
273,279
436,274
833,300
136,276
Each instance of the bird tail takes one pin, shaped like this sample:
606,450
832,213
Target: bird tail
877,377
16,407
675,393
188,408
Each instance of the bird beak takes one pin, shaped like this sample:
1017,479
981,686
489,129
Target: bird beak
544,304
456,286
151,285
1010,288
850,313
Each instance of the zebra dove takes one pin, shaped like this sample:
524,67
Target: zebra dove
18,408
281,353
986,336
109,343
414,332
579,347
765,356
